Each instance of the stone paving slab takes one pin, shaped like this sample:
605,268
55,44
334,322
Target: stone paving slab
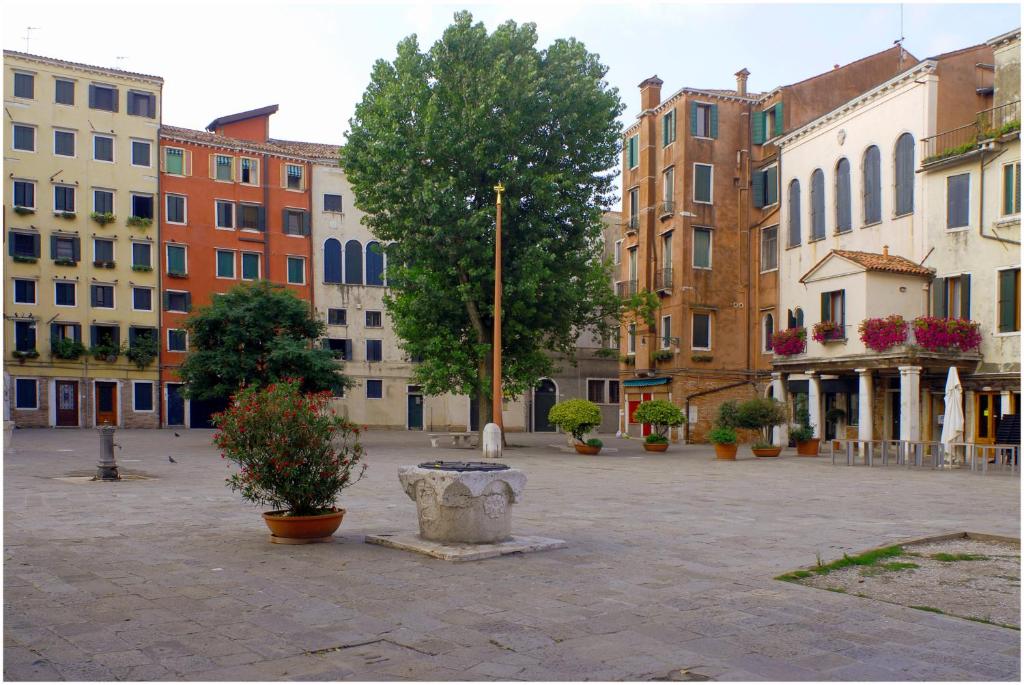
517,544
668,564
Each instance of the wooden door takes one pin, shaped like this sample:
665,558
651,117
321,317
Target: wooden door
544,396
986,417
645,429
67,403
415,409
106,403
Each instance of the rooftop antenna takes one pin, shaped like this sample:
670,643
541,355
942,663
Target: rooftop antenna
28,35
899,41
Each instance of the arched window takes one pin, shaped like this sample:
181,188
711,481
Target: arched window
904,174
332,261
374,263
844,215
354,262
798,315
872,185
769,331
794,213
817,205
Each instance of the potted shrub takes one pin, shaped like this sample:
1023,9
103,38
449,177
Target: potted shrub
294,455
577,417
802,432
829,331
836,416
143,351
762,414
22,355
723,434
661,355
106,352
661,415
139,222
68,348
103,218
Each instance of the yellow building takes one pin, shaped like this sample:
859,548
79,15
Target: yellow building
80,222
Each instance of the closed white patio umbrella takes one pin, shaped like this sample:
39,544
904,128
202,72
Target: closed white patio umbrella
953,418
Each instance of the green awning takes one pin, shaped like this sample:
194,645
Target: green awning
644,382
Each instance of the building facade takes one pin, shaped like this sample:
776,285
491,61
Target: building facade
81,305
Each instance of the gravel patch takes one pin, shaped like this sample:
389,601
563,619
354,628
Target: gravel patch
979,580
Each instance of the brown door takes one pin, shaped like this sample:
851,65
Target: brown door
67,402
987,408
106,403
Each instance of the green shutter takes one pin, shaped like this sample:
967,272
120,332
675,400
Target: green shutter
714,121
1016,188
757,187
702,183
1008,300
771,185
965,296
758,123
826,307
939,297
664,131
778,119
693,118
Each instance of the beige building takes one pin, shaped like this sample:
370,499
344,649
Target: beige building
80,164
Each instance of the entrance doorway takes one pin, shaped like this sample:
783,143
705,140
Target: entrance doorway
894,414
987,410
175,405
414,410
67,403
201,411
645,429
544,397
474,414
106,403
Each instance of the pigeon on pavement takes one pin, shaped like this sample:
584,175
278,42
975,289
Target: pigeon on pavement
171,459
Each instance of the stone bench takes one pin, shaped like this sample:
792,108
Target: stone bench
464,440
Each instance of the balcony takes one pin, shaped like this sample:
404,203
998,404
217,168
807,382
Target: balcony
632,225
625,288
990,124
666,209
663,280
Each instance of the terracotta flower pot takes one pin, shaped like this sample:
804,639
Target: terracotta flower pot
808,448
655,446
586,449
299,529
767,452
726,452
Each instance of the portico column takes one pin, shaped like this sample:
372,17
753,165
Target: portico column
910,403
865,400
780,434
814,402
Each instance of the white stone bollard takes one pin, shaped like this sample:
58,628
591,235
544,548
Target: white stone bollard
492,441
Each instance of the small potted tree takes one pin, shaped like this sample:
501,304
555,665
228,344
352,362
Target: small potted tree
802,431
723,434
578,417
295,455
835,416
661,415
762,414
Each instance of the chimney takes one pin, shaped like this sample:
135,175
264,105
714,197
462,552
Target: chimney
650,93
885,250
741,81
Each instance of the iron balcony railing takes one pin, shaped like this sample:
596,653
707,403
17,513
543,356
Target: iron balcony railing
633,223
663,279
990,123
625,288
668,207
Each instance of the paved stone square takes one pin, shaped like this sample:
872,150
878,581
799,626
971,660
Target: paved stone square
669,565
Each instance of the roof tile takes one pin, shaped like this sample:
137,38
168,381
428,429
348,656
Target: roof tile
872,261
290,148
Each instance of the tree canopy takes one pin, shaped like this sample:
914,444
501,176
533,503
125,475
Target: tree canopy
434,133
254,335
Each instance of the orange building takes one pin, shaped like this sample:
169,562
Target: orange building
236,207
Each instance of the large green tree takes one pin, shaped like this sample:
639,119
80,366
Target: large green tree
434,133
255,335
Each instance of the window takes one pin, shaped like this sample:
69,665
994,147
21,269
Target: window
250,171
337,317
102,250
633,151
613,392
64,143
1009,300
353,262
25,194
24,86
64,294
64,198
595,391
102,148
634,208
872,185
701,331
631,339
341,347
177,301
177,340
141,104
293,176
294,222
142,396
332,203
142,299
795,318
250,266
223,167
102,97
666,256
704,120
176,209
140,153
373,319
102,296
24,291
64,248
24,244
141,254
24,138
1011,189
703,174
103,201
26,393
225,214
374,263
817,205
332,261
666,332
24,336
769,332
764,186
174,161
176,260
958,200
844,211
374,389
904,187
250,217
701,248
668,189
64,92
770,248
225,264
297,270
767,124
65,331
951,297
833,308
617,254
142,206
373,350
668,128
633,267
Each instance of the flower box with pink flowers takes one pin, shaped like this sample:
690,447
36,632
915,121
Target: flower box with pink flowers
790,341
881,335
829,331
938,334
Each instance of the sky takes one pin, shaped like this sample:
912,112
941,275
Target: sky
314,59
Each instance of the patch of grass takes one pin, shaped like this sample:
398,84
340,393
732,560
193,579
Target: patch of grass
899,565
921,607
867,559
992,623
794,576
961,556
836,589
